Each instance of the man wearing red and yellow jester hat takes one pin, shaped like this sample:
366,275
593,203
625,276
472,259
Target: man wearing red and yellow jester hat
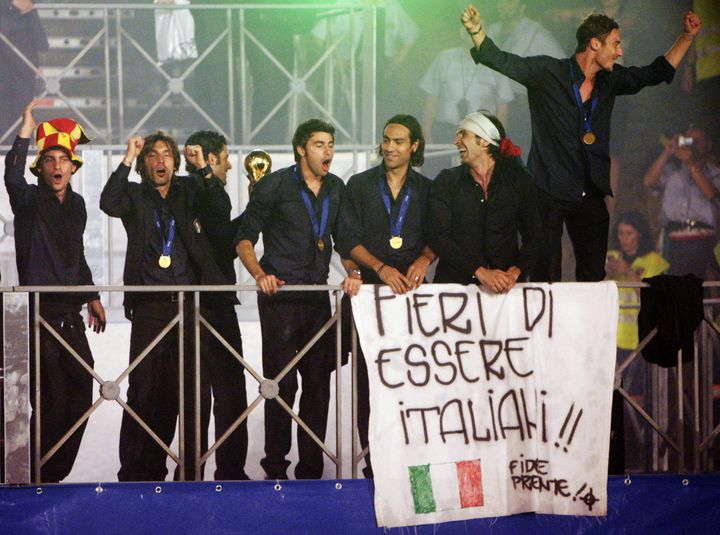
49,224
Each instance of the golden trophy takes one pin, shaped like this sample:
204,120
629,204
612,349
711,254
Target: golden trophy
257,164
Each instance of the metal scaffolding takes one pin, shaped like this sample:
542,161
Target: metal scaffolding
117,42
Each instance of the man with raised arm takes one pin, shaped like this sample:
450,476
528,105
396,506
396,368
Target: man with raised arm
296,210
226,373
571,101
516,33
49,223
167,246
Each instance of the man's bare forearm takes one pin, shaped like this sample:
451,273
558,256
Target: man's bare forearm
246,253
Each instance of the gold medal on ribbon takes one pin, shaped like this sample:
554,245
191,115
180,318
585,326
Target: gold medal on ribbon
320,245
164,261
588,138
396,242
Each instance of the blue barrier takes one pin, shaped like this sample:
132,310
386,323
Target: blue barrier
648,504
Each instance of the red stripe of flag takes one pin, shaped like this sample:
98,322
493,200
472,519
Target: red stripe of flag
470,483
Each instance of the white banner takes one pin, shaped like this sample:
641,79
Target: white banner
488,405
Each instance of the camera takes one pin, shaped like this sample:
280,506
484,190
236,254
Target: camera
685,141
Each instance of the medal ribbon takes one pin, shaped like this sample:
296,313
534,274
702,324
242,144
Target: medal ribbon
318,227
586,119
166,243
397,225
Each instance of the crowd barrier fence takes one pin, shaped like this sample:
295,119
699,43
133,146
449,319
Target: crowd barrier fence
673,441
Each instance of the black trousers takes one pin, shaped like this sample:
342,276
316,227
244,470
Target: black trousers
288,321
153,395
587,224
65,390
362,386
227,381
363,409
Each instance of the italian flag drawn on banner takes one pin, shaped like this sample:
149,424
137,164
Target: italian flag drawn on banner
446,486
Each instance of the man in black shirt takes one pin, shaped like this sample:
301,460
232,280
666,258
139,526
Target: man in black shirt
478,208
383,227
49,224
226,373
296,210
571,101
382,220
167,245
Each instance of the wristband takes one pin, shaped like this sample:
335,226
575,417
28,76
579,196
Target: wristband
205,171
475,32
356,272
378,270
125,162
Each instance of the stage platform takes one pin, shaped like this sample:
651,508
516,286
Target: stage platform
642,504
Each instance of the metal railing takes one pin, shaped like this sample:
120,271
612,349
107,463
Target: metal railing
668,436
702,432
110,389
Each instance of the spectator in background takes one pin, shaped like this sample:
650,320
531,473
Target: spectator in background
689,182
400,32
631,259
396,34
455,86
517,34
20,24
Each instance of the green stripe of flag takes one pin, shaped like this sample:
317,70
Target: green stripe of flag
421,487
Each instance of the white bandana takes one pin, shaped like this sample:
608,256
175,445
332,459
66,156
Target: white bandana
477,123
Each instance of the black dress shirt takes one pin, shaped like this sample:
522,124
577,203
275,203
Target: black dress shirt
221,232
276,208
560,163
364,219
467,230
179,271
49,248
135,205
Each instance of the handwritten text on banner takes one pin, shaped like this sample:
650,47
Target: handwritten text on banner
488,405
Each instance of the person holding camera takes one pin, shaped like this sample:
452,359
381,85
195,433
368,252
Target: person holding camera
690,185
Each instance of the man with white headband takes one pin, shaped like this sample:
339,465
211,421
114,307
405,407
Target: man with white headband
478,208
571,101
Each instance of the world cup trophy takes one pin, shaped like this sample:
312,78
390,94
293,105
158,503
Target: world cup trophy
257,164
